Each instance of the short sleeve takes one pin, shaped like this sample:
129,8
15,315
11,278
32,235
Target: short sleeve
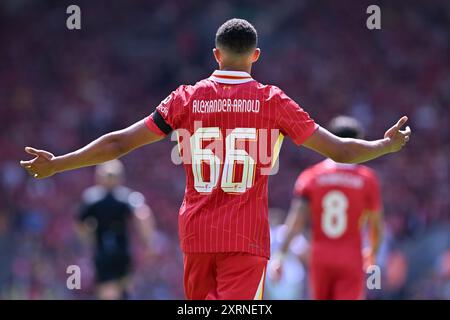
373,193
302,188
168,114
293,121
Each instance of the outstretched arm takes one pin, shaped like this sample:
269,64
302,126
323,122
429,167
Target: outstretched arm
109,146
349,150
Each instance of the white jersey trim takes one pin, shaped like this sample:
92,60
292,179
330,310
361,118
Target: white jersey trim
230,77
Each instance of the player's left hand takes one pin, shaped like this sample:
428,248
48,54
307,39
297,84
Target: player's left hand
397,137
41,166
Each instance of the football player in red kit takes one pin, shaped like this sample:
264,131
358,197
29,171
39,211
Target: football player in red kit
338,198
230,129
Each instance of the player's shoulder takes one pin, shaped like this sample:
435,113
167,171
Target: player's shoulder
367,173
186,91
271,92
318,168
306,179
93,194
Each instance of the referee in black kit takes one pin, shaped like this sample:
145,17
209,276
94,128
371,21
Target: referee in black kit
109,212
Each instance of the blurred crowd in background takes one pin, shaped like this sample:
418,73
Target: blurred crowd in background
60,89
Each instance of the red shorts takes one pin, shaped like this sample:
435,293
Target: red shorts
330,282
224,276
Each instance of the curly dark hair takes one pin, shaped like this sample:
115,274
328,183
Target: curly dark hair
237,36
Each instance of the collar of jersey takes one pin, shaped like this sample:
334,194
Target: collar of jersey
231,77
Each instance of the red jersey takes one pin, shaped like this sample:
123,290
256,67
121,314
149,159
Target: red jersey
230,129
338,195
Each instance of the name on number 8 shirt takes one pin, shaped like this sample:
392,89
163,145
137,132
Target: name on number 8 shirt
230,129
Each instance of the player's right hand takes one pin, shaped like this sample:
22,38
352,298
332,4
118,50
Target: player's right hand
41,166
398,138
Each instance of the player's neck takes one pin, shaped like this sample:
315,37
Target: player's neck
235,67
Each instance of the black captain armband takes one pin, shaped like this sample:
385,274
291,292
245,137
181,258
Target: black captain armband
161,123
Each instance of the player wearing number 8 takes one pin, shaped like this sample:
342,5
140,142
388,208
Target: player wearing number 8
337,198
223,221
